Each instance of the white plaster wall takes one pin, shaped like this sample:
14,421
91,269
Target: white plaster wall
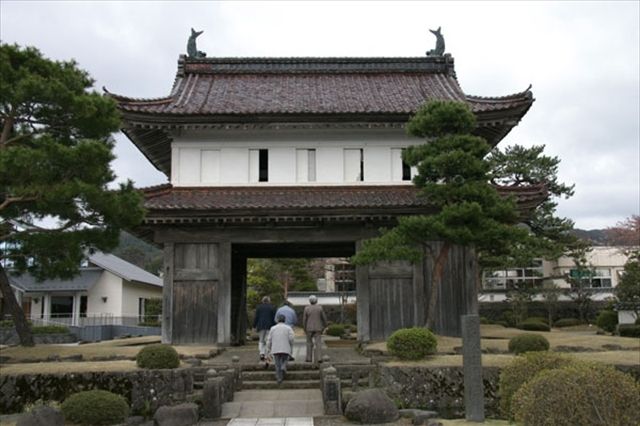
131,292
282,165
109,286
192,150
377,164
330,164
234,165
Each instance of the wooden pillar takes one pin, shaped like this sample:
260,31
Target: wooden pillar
419,302
224,295
167,294
362,300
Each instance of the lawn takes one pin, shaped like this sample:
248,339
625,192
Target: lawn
93,355
584,341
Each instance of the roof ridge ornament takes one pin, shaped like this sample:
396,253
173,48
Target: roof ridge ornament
192,50
439,50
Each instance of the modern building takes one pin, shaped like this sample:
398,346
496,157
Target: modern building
604,267
297,157
107,290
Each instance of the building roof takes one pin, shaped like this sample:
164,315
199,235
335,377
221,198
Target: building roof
244,93
124,269
81,282
166,203
87,276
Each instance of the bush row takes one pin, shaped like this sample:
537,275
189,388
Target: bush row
553,389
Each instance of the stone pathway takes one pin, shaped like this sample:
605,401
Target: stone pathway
274,403
274,421
287,407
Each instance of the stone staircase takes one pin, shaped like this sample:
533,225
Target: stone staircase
299,376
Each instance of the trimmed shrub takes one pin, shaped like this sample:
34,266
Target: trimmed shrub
95,407
629,330
538,319
567,322
607,320
581,394
522,369
533,326
502,323
485,320
158,356
49,329
336,330
412,343
528,343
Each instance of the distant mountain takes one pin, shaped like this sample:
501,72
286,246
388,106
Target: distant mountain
139,252
598,237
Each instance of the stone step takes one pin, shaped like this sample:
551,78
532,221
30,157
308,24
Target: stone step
275,403
286,384
265,409
292,375
291,366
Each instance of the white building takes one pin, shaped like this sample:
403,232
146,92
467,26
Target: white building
108,290
605,267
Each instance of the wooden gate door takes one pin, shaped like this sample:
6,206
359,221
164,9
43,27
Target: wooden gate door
395,298
200,293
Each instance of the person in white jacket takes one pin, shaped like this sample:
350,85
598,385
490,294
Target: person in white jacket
280,346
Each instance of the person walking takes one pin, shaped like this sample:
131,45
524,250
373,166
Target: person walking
314,322
280,346
290,317
263,321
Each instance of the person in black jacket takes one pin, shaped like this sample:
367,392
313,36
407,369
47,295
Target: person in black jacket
263,321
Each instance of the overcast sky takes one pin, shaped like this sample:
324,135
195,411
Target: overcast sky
582,59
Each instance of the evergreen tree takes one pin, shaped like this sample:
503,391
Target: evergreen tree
459,175
628,289
55,154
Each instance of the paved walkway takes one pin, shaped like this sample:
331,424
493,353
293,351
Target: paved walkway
274,403
274,421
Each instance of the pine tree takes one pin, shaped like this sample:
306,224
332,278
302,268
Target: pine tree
459,174
55,154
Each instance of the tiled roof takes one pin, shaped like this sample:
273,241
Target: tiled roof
266,86
301,200
278,93
81,282
124,269
88,276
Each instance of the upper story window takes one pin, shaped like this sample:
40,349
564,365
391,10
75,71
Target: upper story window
505,279
259,165
305,165
596,278
400,170
353,165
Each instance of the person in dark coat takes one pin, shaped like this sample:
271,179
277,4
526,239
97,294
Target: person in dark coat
263,321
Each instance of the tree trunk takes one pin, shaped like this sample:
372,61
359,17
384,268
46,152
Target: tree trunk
436,281
17,314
